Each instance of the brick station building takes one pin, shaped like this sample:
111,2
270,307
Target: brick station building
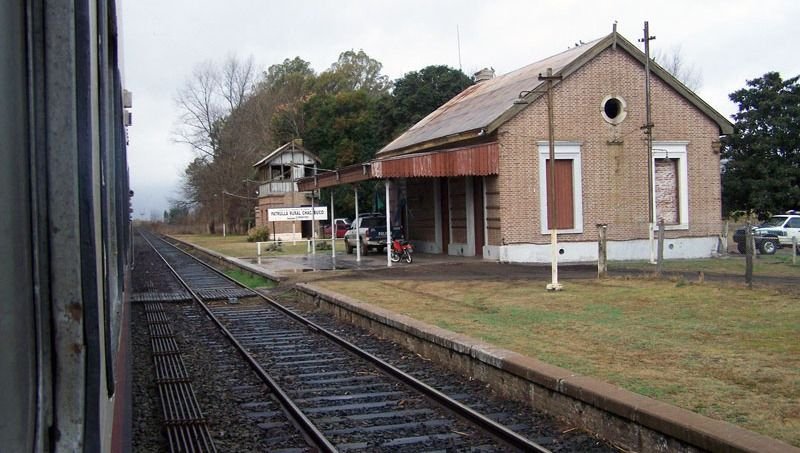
471,178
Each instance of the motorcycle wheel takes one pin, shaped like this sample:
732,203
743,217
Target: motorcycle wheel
408,258
395,257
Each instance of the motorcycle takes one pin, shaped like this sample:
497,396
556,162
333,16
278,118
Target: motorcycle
401,250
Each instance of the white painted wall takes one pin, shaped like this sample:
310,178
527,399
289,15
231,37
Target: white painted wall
576,252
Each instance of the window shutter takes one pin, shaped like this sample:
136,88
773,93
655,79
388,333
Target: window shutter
667,204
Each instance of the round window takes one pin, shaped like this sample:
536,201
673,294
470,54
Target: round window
613,109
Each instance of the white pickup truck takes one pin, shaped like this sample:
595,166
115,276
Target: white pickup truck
773,234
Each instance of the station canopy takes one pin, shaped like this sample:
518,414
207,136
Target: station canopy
475,160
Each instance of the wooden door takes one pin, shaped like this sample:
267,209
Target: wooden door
564,195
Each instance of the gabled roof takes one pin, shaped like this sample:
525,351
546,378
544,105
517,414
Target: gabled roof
292,146
481,108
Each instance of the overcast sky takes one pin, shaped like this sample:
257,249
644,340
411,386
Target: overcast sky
729,41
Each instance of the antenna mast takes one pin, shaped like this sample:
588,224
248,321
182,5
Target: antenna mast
458,39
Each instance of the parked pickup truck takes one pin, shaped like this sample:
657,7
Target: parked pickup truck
773,234
370,229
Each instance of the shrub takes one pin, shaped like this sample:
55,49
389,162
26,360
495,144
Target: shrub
260,234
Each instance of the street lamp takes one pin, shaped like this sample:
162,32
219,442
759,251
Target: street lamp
223,214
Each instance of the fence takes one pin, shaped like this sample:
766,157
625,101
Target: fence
312,246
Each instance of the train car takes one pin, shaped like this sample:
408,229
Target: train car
64,229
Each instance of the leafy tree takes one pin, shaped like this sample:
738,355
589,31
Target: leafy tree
354,71
762,172
344,129
419,93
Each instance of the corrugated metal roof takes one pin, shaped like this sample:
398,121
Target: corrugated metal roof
479,105
482,107
476,160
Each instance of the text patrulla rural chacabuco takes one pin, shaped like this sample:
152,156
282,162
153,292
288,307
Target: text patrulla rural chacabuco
301,213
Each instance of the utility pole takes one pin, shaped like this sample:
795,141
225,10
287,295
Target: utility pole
648,132
224,233
551,184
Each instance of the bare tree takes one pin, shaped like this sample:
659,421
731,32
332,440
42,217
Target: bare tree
208,97
237,81
675,63
198,100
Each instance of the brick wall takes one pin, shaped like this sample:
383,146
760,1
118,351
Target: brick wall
281,200
614,157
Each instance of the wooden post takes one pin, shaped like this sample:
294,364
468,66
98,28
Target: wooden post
602,251
388,228
749,250
725,232
333,231
551,184
358,228
660,260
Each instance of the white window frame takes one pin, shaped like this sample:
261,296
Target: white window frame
674,150
565,151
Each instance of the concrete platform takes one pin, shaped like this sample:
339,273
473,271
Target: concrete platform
289,265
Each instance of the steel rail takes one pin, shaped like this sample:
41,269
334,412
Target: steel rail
309,430
498,430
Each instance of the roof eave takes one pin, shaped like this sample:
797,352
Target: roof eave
421,146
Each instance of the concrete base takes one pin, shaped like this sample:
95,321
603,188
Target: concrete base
577,252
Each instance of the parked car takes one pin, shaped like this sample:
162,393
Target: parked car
342,225
773,234
370,229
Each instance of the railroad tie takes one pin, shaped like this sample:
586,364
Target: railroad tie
187,429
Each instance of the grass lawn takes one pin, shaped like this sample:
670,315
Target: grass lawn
718,350
237,245
249,280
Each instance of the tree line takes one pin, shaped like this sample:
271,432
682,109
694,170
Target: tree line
232,116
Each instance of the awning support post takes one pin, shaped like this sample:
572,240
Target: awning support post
388,228
358,229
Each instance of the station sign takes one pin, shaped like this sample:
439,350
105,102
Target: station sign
301,213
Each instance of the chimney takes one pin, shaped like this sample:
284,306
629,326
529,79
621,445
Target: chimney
483,74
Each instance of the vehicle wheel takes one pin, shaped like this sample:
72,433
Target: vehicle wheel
395,257
408,258
740,246
769,246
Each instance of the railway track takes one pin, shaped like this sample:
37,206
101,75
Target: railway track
342,397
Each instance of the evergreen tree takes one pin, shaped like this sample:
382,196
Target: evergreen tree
762,171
